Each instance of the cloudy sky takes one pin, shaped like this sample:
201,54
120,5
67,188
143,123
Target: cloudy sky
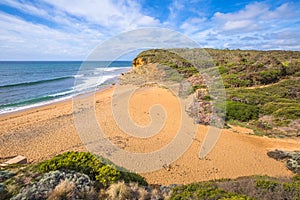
70,29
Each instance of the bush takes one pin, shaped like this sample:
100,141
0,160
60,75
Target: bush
292,112
4,194
241,111
269,76
296,178
80,183
263,187
4,175
266,184
235,80
222,70
205,190
97,168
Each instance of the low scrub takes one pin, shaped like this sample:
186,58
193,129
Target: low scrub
241,111
205,190
97,168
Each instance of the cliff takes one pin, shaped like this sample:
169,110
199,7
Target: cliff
262,87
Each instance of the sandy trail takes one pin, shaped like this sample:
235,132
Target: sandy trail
43,132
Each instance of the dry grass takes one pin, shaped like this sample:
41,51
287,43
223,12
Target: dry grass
119,191
64,190
123,191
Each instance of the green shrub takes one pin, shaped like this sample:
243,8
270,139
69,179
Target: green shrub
204,190
270,76
4,194
291,187
292,112
235,80
4,175
222,70
292,68
198,86
296,177
266,184
170,59
97,168
241,111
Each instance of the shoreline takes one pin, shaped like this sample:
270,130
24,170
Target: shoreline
109,77
56,101
43,132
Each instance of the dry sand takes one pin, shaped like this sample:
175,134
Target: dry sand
43,132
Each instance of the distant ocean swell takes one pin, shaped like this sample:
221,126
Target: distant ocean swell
29,84
35,82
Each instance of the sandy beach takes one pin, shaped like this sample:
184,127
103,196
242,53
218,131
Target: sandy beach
40,133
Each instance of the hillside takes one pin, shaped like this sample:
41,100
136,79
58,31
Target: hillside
82,175
262,87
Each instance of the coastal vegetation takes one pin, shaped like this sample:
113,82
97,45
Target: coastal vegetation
262,87
97,168
81,175
244,188
71,175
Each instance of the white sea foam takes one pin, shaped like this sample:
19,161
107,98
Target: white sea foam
15,109
86,82
62,93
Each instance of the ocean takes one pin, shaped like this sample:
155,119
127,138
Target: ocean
26,84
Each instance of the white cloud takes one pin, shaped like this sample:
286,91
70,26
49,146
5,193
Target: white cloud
251,11
24,40
240,24
73,28
285,11
229,30
119,15
192,25
25,7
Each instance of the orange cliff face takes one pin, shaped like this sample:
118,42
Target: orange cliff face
138,62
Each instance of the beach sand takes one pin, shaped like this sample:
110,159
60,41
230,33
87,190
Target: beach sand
40,133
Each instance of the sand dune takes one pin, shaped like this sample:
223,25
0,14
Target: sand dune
43,132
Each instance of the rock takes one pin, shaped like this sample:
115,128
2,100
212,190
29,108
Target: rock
292,165
292,159
15,160
278,155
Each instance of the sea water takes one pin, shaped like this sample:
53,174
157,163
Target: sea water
25,84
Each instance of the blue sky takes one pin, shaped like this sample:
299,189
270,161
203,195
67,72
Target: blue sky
70,29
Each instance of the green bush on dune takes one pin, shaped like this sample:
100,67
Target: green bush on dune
97,168
240,111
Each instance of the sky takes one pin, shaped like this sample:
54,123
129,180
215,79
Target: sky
71,29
